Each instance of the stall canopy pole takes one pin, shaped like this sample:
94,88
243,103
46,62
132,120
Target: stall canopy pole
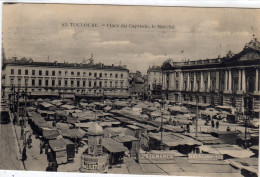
196,135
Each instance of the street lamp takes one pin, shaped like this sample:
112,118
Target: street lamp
162,106
247,117
197,112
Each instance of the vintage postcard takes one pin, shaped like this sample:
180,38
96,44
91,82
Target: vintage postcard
130,89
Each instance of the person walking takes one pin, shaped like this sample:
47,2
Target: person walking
217,124
212,123
188,128
54,124
41,146
228,129
15,119
29,141
24,156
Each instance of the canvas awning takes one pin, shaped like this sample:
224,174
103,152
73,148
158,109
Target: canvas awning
107,108
71,120
231,150
174,139
69,107
30,109
83,125
224,107
114,131
73,133
113,146
58,145
46,105
250,164
126,138
62,126
173,128
206,138
50,133
145,126
182,121
109,124
46,112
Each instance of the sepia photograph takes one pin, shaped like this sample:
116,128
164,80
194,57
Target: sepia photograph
116,89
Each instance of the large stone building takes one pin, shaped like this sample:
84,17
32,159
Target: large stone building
137,84
154,81
154,76
46,78
232,80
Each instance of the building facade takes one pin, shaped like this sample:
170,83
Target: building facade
154,82
154,76
137,84
45,78
229,81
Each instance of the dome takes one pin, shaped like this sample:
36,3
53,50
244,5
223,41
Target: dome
95,129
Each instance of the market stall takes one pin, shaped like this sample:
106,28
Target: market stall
115,150
63,150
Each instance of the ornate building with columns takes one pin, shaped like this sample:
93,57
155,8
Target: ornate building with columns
232,80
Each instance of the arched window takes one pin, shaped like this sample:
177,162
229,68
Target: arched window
198,84
213,86
176,97
235,85
177,84
233,101
220,100
204,99
212,101
206,84
251,84
185,85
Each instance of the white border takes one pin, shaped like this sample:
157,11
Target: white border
179,3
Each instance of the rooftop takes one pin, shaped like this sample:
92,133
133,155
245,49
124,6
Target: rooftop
30,62
154,68
253,45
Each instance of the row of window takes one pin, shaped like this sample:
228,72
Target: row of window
185,86
53,73
77,91
78,83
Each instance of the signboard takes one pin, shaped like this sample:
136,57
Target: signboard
206,156
156,156
92,166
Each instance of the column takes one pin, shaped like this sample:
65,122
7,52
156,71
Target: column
188,82
239,79
256,79
226,77
181,81
194,82
201,81
169,79
163,81
229,81
217,80
172,78
209,81
243,80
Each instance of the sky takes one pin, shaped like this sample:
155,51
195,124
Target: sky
71,33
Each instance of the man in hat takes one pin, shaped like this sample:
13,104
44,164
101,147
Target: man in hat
24,156
212,123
